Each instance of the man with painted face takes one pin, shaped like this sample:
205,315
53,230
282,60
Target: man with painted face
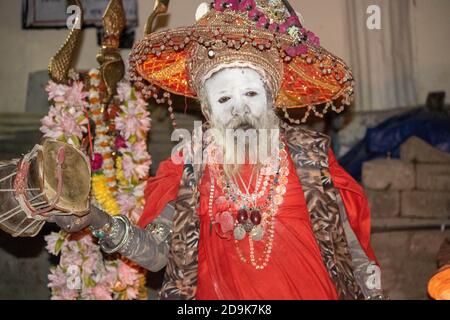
294,225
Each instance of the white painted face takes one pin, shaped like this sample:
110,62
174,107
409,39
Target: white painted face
236,93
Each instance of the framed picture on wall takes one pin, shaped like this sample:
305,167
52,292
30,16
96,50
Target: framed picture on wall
44,14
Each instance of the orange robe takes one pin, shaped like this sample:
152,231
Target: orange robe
295,270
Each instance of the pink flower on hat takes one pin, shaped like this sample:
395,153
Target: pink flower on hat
296,51
274,27
262,22
293,21
254,14
247,5
313,38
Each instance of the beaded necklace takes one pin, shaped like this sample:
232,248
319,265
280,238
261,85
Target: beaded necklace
252,220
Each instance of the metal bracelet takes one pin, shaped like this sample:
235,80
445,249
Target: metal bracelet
125,248
115,229
125,239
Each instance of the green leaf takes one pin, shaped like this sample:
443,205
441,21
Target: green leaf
133,94
75,140
58,245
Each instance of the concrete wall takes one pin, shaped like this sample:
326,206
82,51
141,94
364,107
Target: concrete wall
26,51
431,28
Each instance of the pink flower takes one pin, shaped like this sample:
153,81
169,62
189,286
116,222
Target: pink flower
87,243
69,124
293,21
134,121
283,27
135,214
139,151
313,38
110,277
296,51
291,51
69,259
128,166
120,143
127,202
247,5
124,91
56,278
64,122
52,239
75,96
90,264
97,162
56,92
142,169
254,14
263,22
138,191
65,294
274,27
127,275
71,247
101,292
138,170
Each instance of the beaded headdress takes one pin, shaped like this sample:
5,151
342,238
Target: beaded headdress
266,35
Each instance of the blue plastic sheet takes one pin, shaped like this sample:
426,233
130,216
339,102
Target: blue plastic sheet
430,126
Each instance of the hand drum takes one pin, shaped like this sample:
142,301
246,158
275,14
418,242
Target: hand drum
53,179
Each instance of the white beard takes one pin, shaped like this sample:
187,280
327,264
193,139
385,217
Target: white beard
232,156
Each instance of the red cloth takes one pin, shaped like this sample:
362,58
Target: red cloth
295,271
160,190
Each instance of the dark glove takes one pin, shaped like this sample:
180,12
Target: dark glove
71,224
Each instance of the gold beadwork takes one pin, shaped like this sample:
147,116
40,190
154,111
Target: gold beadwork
201,66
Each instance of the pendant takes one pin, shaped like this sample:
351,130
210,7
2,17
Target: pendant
242,216
239,233
255,217
257,233
248,226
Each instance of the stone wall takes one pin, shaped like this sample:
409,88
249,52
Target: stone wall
410,201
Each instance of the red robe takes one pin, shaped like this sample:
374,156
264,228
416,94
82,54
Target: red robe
295,271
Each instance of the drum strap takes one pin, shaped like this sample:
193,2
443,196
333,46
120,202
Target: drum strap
21,184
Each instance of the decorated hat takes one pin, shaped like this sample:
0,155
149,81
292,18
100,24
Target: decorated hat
265,35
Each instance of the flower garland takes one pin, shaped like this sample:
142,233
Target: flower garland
66,120
124,194
104,184
82,273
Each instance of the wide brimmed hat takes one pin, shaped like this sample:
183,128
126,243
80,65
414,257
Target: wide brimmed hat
263,34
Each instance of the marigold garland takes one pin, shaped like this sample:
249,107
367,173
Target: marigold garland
103,196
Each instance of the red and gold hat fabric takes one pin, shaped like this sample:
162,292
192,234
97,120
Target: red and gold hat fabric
264,34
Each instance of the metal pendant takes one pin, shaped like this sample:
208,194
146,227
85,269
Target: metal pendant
257,233
239,233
